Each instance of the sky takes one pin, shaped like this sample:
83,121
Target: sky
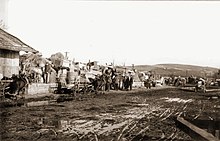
126,32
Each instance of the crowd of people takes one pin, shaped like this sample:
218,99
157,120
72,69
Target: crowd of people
41,70
110,79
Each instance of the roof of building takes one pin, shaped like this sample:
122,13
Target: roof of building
10,42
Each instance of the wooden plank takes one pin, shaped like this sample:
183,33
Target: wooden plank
192,89
6,81
201,132
212,90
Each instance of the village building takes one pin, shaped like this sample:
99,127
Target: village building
10,47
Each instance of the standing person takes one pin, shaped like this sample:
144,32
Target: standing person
126,82
59,85
201,85
108,82
130,81
116,82
120,85
47,72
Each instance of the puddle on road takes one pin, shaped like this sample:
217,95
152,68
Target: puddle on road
104,123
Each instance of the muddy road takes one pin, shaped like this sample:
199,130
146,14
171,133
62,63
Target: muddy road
136,115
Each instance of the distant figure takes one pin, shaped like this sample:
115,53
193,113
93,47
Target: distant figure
115,82
121,79
108,81
124,83
59,85
147,83
47,72
128,82
200,85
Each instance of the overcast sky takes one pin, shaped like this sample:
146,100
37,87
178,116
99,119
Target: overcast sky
141,32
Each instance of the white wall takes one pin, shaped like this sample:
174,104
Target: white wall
9,63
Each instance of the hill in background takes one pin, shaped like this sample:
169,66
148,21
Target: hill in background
178,70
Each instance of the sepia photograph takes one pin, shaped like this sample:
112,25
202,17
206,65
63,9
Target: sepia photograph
109,70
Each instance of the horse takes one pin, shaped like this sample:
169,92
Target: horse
192,80
147,83
98,83
19,82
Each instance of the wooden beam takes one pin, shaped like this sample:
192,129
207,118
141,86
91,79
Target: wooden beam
213,90
207,136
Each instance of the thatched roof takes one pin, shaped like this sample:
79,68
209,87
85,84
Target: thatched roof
10,42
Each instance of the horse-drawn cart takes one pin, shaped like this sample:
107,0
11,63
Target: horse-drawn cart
76,87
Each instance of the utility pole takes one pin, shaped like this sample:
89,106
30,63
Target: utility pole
124,68
66,55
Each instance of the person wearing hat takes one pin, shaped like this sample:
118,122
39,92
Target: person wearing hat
128,81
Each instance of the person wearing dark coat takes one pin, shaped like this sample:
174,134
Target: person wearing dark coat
126,82
130,82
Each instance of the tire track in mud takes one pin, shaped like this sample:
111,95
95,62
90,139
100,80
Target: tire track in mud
125,122
144,115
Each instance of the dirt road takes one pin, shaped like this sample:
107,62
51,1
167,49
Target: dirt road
117,115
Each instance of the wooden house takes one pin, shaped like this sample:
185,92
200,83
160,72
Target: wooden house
10,46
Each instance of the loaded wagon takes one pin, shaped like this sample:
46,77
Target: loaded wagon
80,85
